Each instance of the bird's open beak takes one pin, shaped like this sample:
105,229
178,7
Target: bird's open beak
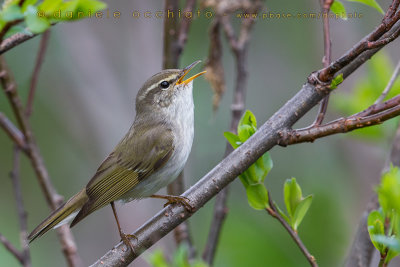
186,71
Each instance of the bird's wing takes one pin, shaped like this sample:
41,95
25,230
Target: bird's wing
129,164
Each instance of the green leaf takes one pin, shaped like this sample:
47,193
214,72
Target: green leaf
35,23
338,8
376,222
292,195
233,139
337,80
28,3
248,118
157,259
12,12
50,6
284,216
16,29
245,131
301,211
78,9
371,3
389,191
257,196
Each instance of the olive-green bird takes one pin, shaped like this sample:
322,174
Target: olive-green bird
149,157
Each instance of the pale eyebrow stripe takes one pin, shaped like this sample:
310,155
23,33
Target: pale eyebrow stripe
168,79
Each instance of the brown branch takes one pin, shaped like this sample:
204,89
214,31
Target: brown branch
12,131
371,41
342,125
53,199
326,60
13,250
22,216
239,48
35,74
390,84
273,211
175,37
15,40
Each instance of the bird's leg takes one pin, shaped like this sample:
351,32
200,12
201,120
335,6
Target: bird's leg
175,199
124,237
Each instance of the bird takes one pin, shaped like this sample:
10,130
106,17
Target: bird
149,157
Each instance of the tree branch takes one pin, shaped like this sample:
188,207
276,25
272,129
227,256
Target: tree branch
326,60
390,84
13,250
22,217
39,60
53,199
239,48
273,211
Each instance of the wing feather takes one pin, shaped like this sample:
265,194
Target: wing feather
129,164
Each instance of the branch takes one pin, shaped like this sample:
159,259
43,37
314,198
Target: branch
12,131
13,250
234,164
342,125
390,84
239,48
35,74
382,35
22,217
32,151
273,211
326,60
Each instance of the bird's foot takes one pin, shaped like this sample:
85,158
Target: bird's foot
126,239
176,199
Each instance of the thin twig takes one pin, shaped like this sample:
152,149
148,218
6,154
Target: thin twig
15,40
390,84
342,125
239,47
12,131
35,74
272,210
13,250
326,60
22,217
53,199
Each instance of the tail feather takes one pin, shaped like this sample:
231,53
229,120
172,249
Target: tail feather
60,216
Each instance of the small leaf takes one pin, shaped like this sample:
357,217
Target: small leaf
338,8
337,80
301,211
157,259
35,23
292,195
248,118
284,216
12,12
392,243
376,227
16,29
371,3
233,139
28,3
389,191
50,6
257,196
245,131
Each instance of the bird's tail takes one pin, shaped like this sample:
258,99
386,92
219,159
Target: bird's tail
60,216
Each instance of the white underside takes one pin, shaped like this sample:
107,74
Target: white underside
182,114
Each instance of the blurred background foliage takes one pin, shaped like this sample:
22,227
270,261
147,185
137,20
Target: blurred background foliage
85,103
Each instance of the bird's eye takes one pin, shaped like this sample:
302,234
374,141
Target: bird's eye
164,84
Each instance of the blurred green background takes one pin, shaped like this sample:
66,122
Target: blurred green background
85,104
